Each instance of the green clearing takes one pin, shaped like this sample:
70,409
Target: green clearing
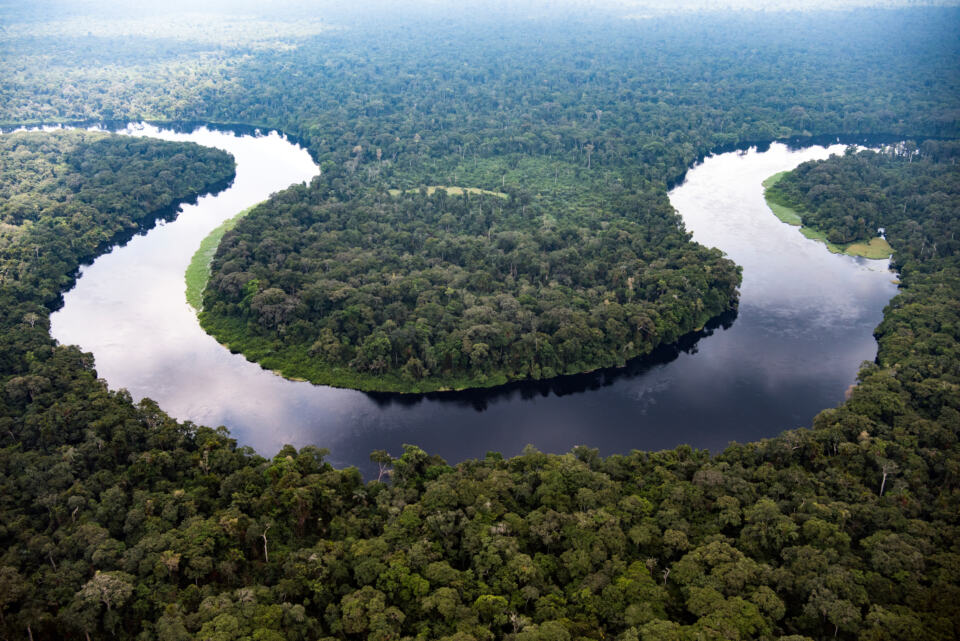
198,271
875,248
453,191
782,211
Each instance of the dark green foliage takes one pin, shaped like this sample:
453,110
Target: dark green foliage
667,90
583,267
907,189
118,522
65,197
413,292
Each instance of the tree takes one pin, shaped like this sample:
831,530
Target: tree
383,460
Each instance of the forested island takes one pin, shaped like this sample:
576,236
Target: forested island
116,521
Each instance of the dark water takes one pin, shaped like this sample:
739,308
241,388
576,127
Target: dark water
805,324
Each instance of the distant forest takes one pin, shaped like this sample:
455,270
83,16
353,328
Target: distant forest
116,521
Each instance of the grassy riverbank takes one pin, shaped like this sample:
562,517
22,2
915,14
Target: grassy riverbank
875,248
782,211
198,271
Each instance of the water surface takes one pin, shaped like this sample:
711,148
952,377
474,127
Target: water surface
804,326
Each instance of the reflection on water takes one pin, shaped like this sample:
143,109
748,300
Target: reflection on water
481,399
805,324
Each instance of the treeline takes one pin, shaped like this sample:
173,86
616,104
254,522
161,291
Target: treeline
410,292
586,121
655,94
73,174
66,196
118,522
651,95
905,187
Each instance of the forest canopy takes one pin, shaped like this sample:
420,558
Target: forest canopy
409,292
850,199
585,265
117,521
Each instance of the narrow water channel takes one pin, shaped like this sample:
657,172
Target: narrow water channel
804,326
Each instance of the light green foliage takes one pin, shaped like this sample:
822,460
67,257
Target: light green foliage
782,211
452,191
198,271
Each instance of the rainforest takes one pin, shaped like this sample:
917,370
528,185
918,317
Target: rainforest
427,292
491,197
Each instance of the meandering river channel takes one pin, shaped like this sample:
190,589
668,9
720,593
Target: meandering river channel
805,324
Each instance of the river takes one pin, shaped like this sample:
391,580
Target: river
805,324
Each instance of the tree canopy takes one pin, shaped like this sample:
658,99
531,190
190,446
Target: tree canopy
409,292
117,521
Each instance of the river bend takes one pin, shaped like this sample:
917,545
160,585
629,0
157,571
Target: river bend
805,324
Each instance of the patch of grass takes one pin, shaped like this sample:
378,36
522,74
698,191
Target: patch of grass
875,248
785,214
774,179
198,271
814,234
780,209
453,191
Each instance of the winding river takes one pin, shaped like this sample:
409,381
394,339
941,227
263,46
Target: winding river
805,324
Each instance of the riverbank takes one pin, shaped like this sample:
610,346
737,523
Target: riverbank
875,248
294,362
198,271
146,340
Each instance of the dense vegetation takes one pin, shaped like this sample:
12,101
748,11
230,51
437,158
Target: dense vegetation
66,196
583,138
585,121
417,292
851,198
476,96
787,210
118,522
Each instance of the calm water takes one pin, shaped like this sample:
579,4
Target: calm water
805,324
